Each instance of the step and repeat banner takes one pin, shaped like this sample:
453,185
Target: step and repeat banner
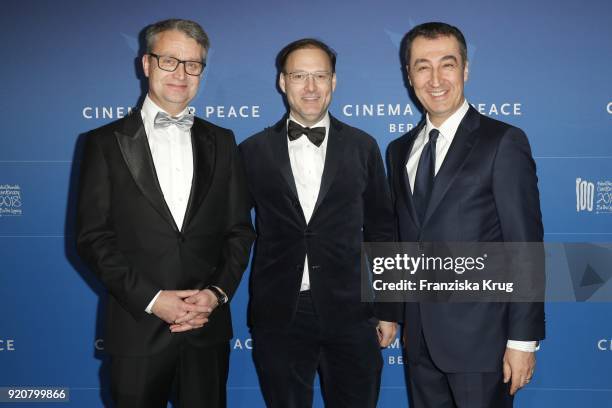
70,66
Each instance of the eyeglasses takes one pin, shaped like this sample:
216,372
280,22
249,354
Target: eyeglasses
170,64
300,77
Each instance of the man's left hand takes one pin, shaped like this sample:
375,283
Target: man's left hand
194,320
518,367
386,332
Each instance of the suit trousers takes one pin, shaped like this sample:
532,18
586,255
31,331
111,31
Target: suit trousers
430,387
196,376
348,360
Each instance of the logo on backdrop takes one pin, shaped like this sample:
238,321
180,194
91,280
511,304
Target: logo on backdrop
99,344
499,109
237,344
604,345
394,353
609,108
7,345
206,112
10,200
229,112
393,357
105,112
405,116
394,111
593,196
242,344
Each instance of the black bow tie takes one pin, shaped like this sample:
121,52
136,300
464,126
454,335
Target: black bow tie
315,135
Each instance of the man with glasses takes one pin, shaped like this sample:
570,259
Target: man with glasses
163,220
319,190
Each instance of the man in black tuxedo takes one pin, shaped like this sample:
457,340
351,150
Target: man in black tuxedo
319,190
461,176
163,220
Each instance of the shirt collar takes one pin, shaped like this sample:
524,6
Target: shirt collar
450,125
150,109
324,122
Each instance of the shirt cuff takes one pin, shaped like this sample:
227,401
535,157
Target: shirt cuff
220,290
150,305
529,346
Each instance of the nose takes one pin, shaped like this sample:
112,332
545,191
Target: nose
310,84
180,72
435,78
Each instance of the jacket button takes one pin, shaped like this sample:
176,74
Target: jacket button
180,237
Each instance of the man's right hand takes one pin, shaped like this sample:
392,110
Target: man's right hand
171,306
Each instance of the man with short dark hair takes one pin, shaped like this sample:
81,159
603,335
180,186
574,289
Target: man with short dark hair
163,221
461,176
319,190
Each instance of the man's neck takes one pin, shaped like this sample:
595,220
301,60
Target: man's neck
305,123
438,121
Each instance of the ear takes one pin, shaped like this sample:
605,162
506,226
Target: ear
466,72
333,82
145,64
281,82
408,74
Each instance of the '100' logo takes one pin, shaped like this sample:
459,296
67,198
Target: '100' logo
585,193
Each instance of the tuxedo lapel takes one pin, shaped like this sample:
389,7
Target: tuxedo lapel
203,147
458,153
280,152
333,159
404,154
132,140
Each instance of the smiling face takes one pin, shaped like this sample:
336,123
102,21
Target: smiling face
308,101
437,74
172,91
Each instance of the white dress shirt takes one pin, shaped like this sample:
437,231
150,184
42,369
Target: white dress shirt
173,160
307,163
447,133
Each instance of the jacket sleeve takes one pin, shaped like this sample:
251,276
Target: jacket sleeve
239,232
379,223
515,188
96,237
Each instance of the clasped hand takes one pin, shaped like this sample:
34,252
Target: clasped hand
185,310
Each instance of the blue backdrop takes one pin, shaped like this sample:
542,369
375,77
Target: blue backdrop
70,66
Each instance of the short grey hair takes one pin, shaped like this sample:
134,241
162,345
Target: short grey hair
190,28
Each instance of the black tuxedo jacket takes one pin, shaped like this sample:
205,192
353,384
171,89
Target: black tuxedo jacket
353,206
485,191
128,237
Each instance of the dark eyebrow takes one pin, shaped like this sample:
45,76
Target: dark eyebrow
419,60
445,58
449,57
